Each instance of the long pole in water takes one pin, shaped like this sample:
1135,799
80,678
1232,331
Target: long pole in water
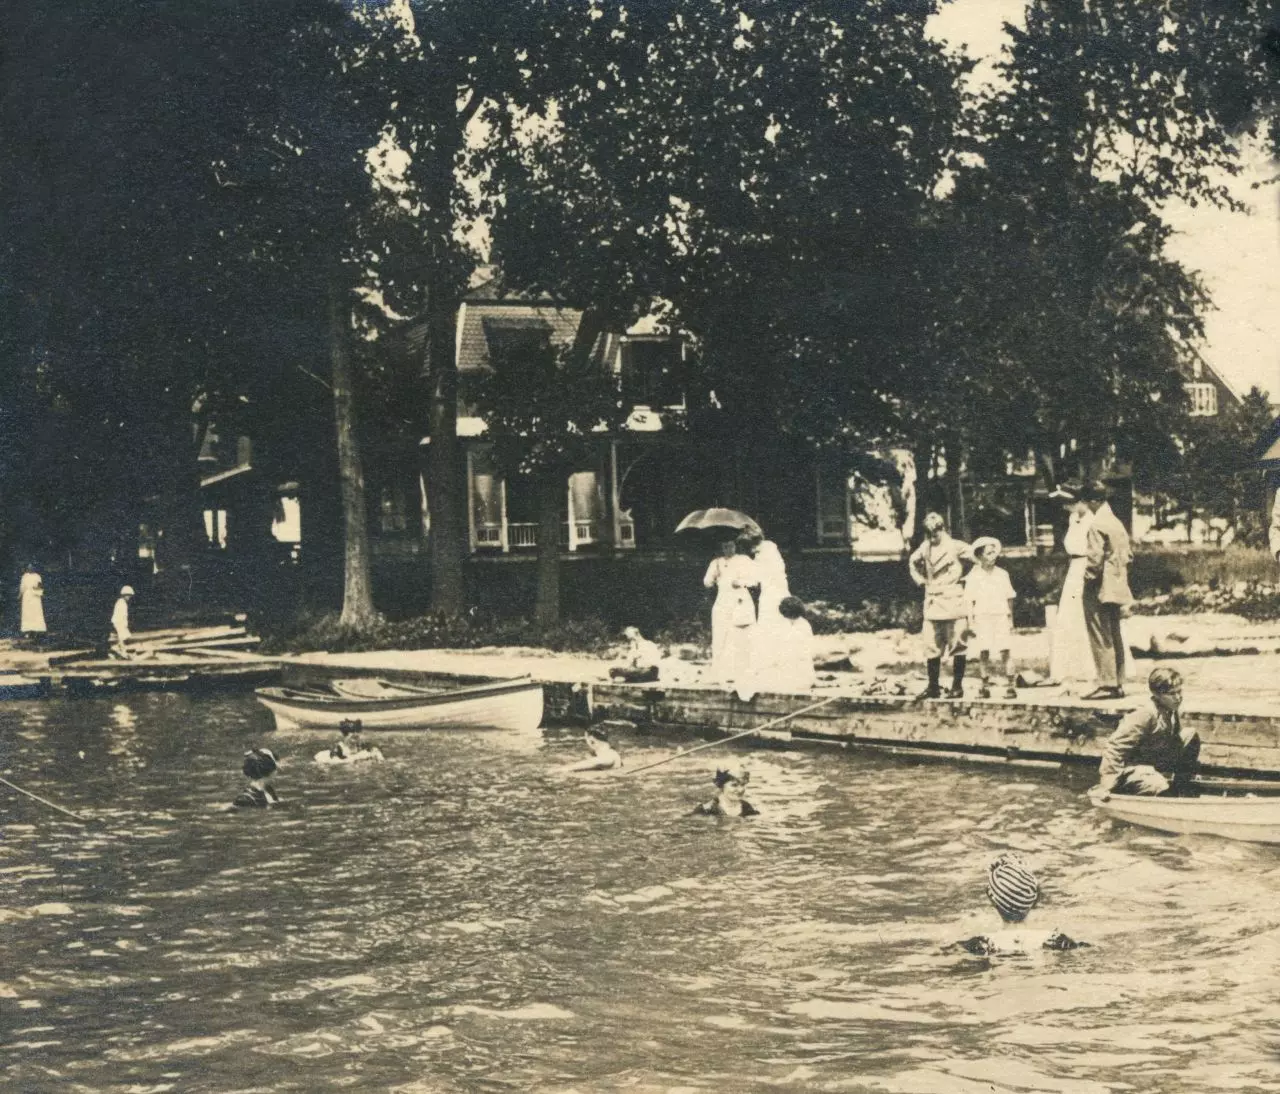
682,752
42,801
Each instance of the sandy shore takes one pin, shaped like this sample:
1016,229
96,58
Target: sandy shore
1195,645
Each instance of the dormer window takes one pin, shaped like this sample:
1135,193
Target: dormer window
651,372
1203,400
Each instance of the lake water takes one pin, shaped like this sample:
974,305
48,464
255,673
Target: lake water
467,917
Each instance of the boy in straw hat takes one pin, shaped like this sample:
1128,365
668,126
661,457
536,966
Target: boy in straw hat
1014,890
990,597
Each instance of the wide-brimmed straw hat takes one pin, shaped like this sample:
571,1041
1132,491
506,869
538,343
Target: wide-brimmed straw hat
983,542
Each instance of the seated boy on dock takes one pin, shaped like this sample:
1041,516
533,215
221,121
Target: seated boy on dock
604,757
641,658
1013,890
259,765
1151,752
729,800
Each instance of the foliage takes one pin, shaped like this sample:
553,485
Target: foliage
440,631
760,171
1211,473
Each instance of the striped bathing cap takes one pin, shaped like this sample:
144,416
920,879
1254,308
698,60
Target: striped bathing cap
1012,887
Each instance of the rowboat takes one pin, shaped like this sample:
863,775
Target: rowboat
376,704
1252,819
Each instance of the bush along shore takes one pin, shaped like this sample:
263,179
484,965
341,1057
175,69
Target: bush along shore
1239,580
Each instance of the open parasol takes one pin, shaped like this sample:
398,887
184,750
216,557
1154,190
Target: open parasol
704,519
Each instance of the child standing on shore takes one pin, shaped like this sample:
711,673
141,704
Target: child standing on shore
990,595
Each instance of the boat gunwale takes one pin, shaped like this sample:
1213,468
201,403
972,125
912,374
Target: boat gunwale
343,704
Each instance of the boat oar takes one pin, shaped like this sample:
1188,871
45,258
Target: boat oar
43,801
682,752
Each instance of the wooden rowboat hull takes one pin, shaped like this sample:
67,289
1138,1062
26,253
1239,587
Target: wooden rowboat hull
503,705
1253,820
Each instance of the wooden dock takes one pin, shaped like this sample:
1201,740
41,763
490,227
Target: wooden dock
1056,731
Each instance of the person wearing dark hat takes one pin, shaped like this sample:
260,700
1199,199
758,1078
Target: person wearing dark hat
1106,593
1013,891
604,757
259,765
350,747
1151,752
938,566
729,801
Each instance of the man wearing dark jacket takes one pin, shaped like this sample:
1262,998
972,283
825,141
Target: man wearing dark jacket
1106,593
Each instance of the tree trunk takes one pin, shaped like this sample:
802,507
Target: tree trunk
444,490
552,493
357,589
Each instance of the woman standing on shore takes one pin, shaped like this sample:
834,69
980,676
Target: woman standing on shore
733,615
1070,657
31,604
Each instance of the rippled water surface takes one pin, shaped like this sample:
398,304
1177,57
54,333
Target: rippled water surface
469,917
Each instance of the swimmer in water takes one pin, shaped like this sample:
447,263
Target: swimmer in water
729,800
350,746
1013,890
604,757
259,765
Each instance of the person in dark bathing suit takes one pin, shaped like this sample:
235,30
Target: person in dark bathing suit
729,800
259,765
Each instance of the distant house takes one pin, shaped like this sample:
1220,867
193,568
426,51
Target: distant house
1208,394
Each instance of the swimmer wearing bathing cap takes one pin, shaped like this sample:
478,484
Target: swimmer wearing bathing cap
1014,891
259,764
731,785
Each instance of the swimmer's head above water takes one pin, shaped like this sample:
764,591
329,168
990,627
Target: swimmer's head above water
259,763
1012,887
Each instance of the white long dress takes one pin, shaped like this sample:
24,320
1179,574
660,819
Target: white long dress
31,602
1070,658
733,617
768,652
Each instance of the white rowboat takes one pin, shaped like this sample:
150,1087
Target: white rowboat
1253,820
502,704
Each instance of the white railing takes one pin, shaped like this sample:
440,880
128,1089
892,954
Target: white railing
488,535
522,535
585,531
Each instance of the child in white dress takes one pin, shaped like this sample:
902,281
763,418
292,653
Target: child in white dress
990,595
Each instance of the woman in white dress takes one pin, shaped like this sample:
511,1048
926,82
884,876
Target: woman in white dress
1070,658
772,628
733,615
31,603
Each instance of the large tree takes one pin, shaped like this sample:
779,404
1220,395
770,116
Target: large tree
763,168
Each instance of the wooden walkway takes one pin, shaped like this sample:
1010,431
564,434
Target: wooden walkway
1053,730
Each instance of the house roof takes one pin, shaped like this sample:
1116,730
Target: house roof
1268,446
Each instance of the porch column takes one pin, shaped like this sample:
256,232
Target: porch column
573,528
471,501
615,513
503,537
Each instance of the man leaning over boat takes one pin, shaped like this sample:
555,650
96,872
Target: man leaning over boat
1151,752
